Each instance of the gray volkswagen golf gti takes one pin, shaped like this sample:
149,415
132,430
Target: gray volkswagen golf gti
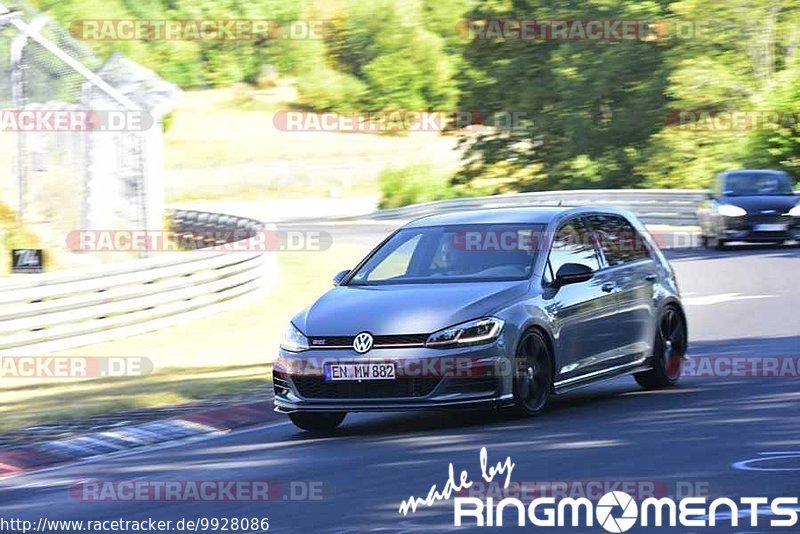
488,308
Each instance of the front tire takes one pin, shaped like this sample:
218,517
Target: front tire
533,375
712,241
317,421
668,352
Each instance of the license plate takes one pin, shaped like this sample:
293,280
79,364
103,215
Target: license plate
769,227
359,371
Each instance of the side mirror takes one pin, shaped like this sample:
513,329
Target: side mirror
340,276
572,273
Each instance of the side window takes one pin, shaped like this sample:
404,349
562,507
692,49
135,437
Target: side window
620,241
573,244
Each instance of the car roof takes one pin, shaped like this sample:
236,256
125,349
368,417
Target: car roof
520,215
759,171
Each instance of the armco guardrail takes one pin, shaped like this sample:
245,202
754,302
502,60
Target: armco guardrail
53,311
653,206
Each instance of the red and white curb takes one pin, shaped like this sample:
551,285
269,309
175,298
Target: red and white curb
215,420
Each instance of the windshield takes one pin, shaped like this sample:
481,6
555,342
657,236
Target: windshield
453,253
757,184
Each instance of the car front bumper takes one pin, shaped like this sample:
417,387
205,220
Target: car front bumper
284,406
760,228
426,379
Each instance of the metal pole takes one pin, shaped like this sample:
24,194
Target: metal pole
17,91
19,98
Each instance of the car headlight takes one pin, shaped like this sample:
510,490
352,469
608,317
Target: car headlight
795,211
294,340
469,333
729,210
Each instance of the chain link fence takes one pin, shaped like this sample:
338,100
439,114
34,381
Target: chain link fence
63,179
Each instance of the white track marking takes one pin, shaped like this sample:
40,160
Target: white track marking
722,297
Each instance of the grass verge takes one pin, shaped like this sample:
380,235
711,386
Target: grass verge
229,353
223,144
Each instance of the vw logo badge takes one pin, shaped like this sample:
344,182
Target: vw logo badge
362,343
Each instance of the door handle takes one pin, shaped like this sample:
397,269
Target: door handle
608,287
650,277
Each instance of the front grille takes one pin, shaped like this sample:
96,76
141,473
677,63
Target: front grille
409,339
316,388
347,341
332,341
761,218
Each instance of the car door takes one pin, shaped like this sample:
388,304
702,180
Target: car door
583,314
628,262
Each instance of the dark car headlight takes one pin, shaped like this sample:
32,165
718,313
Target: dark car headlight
294,340
470,333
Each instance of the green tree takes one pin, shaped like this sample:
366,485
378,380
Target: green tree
385,45
731,56
185,62
591,106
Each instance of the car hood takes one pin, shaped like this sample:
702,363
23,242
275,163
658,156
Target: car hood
755,204
404,309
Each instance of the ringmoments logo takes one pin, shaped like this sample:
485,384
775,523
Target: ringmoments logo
615,511
617,500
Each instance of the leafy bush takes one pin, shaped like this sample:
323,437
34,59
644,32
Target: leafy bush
412,185
329,90
14,235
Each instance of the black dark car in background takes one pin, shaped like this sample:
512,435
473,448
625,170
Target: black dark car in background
755,206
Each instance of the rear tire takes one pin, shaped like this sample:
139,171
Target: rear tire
668,352
533,375
317,421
